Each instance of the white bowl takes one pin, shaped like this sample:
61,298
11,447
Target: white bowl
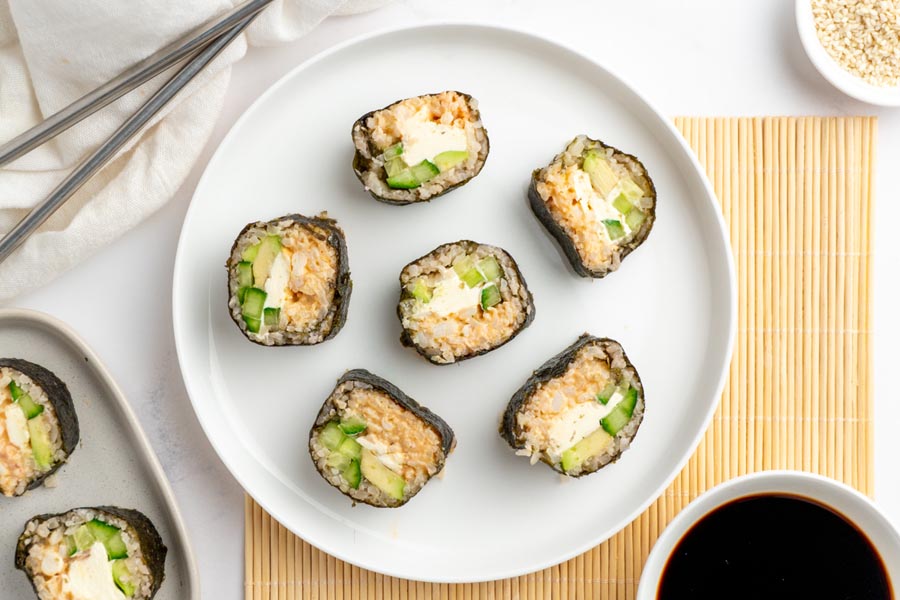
841,498
838,77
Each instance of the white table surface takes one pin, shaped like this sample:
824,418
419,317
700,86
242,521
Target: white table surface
703,57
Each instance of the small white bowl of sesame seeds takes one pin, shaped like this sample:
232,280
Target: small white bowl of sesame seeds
855,45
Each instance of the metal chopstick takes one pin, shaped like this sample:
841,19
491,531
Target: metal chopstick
126,81
102,155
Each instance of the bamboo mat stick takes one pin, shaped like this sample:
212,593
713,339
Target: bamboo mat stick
797,197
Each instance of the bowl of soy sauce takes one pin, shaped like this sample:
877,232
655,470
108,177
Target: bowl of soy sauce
776,535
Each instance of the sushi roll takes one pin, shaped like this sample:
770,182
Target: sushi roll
598,202
579,411
375,444
97,552
289,280
38,425
419,148
461,300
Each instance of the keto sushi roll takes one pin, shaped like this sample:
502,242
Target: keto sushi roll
289,281
461,300
375,444
598,202
419,148
38,425
579,411
97,552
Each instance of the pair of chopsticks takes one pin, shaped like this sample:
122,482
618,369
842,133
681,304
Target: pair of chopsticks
200,45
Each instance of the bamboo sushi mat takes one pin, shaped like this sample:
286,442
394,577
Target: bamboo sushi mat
797,195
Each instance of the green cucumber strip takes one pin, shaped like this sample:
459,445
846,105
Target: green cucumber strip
115,547
30,407
253,325
242,294
109,536
606,393
490,268
352,425
338,461
331,435
350,448
621,414
404,180
245,273
629,401
272,316
122,577
472,277
254,300
631,190
490,296
450,158
424,171
603,178
352,474
15,390
634,219
250,252
420,291
614,228
41,448
623,204
463,265
71,545
393,151
82,538
394,167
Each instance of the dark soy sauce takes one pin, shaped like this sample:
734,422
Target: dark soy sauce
769,547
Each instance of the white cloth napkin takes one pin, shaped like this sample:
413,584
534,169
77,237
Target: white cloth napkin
53,52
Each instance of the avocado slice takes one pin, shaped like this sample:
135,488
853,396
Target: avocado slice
40,443
603,178
122,577
262,264
592,445
449,159
380,476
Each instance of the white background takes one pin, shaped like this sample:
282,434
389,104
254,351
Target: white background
709,57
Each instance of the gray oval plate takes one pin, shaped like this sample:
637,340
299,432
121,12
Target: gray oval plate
113,464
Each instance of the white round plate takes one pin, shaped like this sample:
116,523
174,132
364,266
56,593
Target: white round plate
492,515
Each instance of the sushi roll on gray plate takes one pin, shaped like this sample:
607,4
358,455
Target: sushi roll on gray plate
97,552
419,148
579,411
38,425
289,280
598,202
462,300
376,444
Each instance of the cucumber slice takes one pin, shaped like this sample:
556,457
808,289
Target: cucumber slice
420,291
592,445
394,166
404,180
424,171
250,252
472,277
331,436
603,178
83,539
110,537
15,390
632,191
393,152
30,407
40,443
606,393
122,577
252,306
490,268
352,425
463,265
450,158
352,474
350,448
262,264
253,325
338,461
490,296
272,317
623,204
71,545
634,219
245,273
380,476
614,228
242,294
621,414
